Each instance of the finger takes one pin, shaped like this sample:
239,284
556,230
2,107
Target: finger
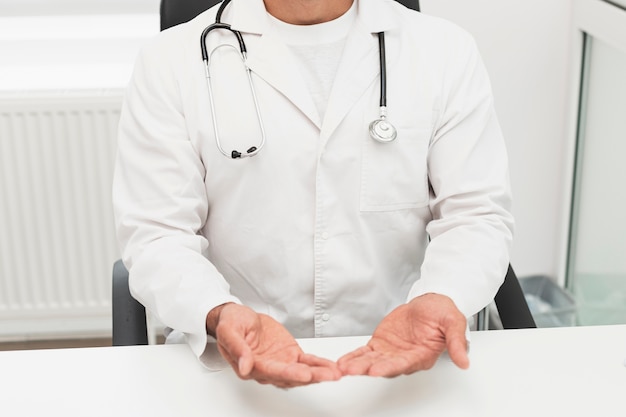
350,356
457,350
322,369
280,373
235,349
231,361
456,343
309,369
321,374
245,364
390,366
241,365
400,363
313,360
360,365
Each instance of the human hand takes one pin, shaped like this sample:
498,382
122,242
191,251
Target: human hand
258,347
411,338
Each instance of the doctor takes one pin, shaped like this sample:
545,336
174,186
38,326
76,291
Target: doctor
325,231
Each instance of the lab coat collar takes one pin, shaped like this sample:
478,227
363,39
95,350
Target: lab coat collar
376,15
358,68
250,16
247,16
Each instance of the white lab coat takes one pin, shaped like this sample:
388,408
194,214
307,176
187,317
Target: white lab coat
326,230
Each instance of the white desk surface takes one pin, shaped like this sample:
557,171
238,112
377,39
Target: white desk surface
577,371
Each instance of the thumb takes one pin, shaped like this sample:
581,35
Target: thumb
245,363
457,344
234,340
239,354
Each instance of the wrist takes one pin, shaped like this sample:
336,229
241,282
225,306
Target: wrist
213,318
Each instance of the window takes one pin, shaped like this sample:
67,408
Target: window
596,272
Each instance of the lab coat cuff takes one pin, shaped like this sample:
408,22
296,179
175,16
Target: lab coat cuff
205,346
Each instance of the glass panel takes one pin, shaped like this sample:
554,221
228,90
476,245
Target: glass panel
597,266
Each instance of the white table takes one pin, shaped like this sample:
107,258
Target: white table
561,372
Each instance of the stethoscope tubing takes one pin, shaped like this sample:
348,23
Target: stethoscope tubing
234,154
380,129
383,69
225,26
206,58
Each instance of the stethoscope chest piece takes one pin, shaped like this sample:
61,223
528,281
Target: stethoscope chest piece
382,131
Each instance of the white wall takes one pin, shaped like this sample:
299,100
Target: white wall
61,84
74,7
526,46
71,52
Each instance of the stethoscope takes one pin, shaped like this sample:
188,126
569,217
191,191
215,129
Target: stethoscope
380,130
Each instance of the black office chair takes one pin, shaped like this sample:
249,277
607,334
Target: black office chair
175,12
129,317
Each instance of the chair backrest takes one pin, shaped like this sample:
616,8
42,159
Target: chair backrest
174,12
511,304
129,316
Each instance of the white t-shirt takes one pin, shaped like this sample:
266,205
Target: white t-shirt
318,50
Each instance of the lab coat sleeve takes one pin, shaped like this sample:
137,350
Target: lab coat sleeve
160,204
472,227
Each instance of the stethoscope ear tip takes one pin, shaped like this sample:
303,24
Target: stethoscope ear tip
250,152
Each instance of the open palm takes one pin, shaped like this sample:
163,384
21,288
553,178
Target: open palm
410,339
258,347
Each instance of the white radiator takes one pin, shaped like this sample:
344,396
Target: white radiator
57,242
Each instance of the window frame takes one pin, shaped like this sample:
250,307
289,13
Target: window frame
605,21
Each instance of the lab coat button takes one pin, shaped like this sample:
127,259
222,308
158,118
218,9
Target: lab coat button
325,317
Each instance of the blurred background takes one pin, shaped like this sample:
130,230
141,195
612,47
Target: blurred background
558,71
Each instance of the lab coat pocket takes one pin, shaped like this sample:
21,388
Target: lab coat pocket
394,175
